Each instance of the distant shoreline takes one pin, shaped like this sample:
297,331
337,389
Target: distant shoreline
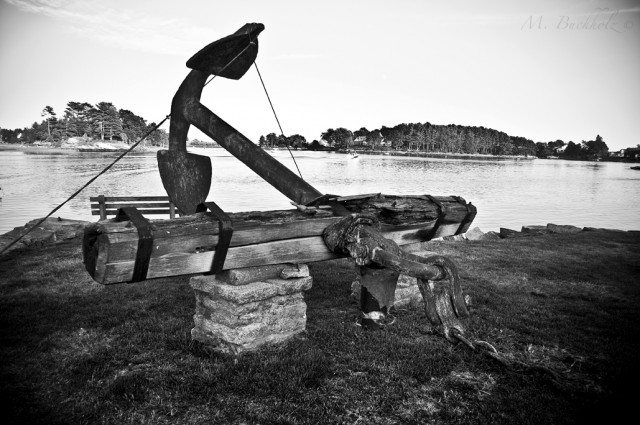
92,147
64,150
26,148
107,147
444,155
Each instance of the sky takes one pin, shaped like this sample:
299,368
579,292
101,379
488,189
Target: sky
544,70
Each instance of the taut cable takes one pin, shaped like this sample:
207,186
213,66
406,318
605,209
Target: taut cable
276,115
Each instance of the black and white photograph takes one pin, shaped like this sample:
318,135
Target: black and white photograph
319,212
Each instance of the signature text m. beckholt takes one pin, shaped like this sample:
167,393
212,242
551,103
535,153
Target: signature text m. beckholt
601,19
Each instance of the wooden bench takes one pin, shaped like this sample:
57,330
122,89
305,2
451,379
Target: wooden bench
105,206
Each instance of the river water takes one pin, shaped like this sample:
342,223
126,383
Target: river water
507,193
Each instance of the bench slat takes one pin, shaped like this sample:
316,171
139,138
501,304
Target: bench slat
108,205
143,211
133,204
130,198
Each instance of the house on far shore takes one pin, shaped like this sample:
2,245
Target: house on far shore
619,154
360,141
631,153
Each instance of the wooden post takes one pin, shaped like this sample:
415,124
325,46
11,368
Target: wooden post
103,207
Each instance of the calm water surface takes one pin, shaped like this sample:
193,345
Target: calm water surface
507,193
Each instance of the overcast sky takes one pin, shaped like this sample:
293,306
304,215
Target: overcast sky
544,70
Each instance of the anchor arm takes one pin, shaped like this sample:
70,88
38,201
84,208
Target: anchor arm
263,164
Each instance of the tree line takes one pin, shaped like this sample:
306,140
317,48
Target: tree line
418,137
106,122
101,121
586,150
450,138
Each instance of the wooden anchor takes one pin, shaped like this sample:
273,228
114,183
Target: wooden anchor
370,228
186,176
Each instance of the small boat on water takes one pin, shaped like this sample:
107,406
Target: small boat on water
353,154
637,167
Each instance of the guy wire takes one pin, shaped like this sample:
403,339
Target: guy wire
277,120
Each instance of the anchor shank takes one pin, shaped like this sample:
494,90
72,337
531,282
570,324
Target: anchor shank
263,164
190,90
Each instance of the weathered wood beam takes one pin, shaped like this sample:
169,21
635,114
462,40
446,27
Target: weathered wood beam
186,245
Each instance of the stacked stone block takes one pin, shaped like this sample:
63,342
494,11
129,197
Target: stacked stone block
244,309
407,292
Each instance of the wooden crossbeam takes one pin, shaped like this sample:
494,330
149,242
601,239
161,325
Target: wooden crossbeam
186,245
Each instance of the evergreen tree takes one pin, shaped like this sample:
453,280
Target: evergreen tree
573,151
133,126
48,115
107,121
596,149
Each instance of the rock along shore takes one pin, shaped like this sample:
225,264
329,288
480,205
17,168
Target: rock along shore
53,229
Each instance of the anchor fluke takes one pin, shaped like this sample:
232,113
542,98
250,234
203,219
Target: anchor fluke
217,58
186,178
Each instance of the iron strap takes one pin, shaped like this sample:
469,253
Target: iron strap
442,212
468,218
224,235
145,241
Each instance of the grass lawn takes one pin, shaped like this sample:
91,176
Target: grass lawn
76,352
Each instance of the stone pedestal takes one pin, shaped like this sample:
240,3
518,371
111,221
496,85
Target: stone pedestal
244,309
407,292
